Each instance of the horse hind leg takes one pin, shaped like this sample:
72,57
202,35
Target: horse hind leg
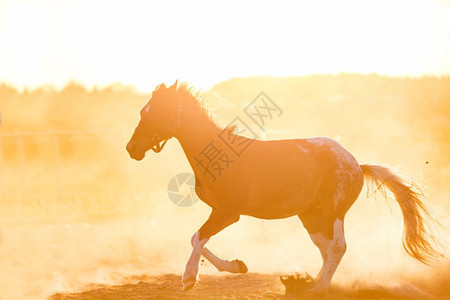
320,240
329,238
335,251
315,223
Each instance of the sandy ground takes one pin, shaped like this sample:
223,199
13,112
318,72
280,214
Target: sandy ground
242,286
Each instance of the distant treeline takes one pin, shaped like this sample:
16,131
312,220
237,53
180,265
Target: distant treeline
424,102
315,105
420,104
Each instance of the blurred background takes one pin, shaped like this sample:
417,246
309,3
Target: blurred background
76,210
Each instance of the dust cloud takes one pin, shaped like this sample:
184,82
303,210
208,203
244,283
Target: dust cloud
76,210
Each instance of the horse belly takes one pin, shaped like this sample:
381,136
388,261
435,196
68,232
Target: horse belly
281,198
282,178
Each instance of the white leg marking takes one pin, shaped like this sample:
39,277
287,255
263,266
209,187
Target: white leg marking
322,243
235,266
191,271
335,251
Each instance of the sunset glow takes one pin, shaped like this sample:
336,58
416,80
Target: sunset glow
143,43
209,149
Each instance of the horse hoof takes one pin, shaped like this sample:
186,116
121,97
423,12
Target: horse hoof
188,284
242,268
297,285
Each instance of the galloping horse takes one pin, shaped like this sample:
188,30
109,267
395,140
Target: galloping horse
315,179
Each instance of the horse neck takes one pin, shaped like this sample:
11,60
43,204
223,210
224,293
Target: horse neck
195,131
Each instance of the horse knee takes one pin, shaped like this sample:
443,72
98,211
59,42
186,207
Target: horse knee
339,246
196,239
338,243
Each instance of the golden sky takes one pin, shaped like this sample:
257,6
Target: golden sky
143,43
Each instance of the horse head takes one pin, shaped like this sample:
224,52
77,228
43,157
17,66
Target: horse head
159,120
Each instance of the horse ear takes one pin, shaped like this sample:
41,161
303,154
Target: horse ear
231,129
162,86
174,86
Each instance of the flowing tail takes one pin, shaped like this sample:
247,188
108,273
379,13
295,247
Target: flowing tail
417,241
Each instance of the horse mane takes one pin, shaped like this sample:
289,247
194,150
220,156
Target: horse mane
192,98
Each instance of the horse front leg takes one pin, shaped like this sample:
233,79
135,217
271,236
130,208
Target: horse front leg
223,265
218,220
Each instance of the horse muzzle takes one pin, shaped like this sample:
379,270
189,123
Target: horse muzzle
134,153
